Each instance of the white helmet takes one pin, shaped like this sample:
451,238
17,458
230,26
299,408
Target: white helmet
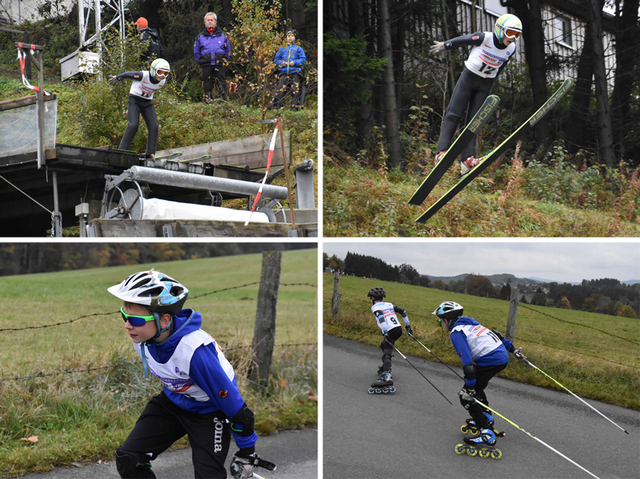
449,312
159,64
155,290
508,25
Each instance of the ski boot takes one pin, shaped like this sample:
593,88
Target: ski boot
469,164
439,156
470,426
384,385
483,445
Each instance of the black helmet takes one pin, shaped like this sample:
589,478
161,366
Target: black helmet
449,312
377,292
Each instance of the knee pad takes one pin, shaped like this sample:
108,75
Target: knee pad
130,468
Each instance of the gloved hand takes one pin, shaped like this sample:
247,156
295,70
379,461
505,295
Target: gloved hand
408,329
518,354
242,467
385,333
467,393
436,48
113,80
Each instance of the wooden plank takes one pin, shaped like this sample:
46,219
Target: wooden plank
24,101
252,151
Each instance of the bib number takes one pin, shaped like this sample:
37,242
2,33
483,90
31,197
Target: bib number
487,69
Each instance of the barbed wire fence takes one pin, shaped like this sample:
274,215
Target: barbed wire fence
328,295
90,369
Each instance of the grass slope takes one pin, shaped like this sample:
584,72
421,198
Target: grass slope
84,416
602,365
360,201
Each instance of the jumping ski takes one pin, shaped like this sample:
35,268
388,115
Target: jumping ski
471,130
495,154
167,157
200,158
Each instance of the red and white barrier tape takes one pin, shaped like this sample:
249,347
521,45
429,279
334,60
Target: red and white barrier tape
22,58
272,147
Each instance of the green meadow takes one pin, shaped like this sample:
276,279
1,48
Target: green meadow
595,356
79,387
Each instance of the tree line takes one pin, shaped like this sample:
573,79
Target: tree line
379,50
605,296
28,258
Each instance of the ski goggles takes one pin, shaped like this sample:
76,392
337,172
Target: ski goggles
162,73
513,34
135,320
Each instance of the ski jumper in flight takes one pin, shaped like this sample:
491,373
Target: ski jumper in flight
490,53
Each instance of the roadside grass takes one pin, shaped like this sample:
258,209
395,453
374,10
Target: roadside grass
83,416
508,201
602,365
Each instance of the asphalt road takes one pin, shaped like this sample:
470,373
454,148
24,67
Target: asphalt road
412,433
294,452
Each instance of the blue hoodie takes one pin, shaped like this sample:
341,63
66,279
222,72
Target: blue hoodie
205,371
496,356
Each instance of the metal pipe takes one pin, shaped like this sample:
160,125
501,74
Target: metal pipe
207,183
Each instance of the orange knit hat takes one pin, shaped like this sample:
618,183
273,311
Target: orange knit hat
142,22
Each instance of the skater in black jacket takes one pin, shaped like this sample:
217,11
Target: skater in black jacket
387,320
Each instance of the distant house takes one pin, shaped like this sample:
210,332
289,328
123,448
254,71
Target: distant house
564,30
14,12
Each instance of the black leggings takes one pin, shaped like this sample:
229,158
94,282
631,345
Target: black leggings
160,425
387,349
138,106
214,75
468,96
288,82
483,375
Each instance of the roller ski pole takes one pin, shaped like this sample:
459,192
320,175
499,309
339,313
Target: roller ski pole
434,354
532,436
405,358
526,361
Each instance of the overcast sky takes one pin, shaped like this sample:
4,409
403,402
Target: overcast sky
564,261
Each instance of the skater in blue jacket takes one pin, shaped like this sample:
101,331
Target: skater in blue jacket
484,354
200,396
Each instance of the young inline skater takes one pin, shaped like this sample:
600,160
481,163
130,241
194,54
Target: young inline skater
387,320
484,354
140,102
200,395
488,57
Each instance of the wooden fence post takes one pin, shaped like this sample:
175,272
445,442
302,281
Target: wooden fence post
513,313
264,333
335,301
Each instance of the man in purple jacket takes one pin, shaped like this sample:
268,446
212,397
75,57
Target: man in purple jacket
211,50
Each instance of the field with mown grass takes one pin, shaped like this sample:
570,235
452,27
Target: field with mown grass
542,200
82,385
594,355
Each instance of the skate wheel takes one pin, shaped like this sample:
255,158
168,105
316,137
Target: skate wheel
392,389
496,454
460,448
484,453
372,391
473,431
378,390
471,451
464,429
385,390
